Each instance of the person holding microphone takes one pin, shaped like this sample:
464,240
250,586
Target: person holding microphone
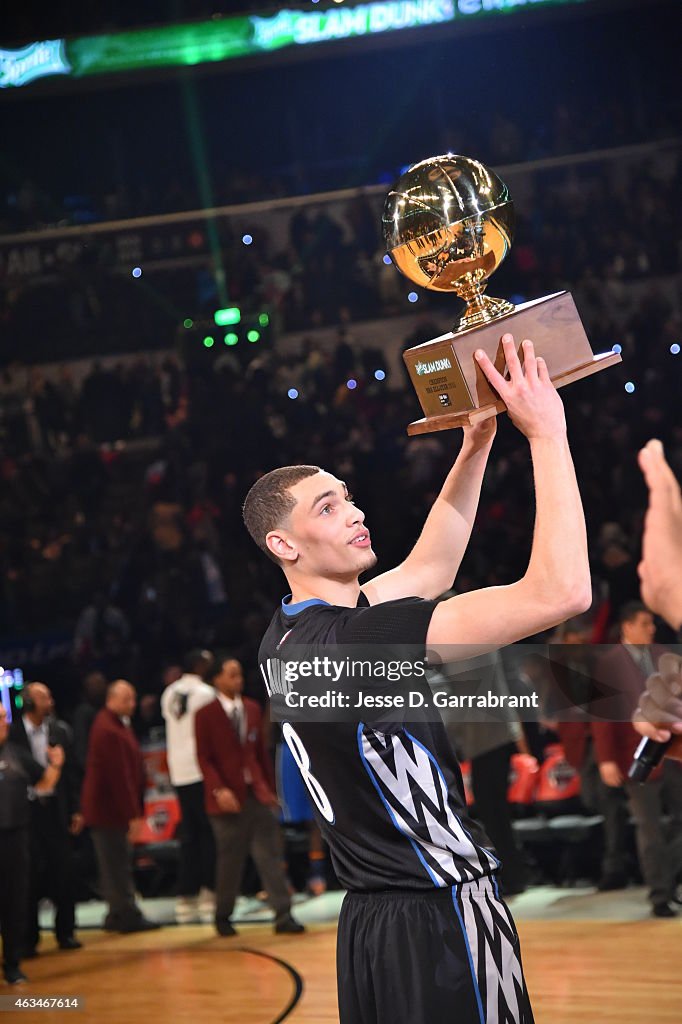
658,717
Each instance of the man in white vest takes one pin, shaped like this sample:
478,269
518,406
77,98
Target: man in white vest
179,704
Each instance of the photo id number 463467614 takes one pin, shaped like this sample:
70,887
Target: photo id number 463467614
14,1003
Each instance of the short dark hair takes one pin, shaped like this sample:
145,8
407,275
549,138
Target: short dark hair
196,661
630,611
269,502
217,665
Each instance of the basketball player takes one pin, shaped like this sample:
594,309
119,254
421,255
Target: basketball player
423,934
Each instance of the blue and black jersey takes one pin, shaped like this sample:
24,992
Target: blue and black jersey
388,794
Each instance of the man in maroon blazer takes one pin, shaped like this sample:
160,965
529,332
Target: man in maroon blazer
111,802
625,669
239,793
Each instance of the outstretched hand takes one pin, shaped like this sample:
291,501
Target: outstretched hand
660,570
532,401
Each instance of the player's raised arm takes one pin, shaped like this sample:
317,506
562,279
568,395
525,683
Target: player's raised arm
556,584
432,564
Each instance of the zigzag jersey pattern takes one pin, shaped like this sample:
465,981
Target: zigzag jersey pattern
388,797
414,791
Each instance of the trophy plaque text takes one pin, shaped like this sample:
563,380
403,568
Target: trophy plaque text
448,224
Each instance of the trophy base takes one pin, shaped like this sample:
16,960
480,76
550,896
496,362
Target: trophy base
453,390
452,421
483,312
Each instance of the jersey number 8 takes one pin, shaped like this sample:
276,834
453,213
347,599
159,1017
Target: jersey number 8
300,756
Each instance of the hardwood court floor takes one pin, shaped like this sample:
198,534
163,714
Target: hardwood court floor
579,972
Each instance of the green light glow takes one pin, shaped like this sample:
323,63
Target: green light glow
188,323
231,339
233,36
226,317
253,335
264,319
209,342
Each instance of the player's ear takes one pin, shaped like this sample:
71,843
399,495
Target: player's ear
280,546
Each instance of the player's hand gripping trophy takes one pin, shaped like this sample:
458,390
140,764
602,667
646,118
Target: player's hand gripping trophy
448,224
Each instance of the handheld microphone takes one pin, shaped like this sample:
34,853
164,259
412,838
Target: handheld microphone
648,755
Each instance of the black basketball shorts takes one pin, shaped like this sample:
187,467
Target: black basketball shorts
441,956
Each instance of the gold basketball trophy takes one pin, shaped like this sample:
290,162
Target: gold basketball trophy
448,224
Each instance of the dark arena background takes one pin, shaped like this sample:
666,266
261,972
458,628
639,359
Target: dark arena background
194,290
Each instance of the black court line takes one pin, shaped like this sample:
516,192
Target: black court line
134,954
293,973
